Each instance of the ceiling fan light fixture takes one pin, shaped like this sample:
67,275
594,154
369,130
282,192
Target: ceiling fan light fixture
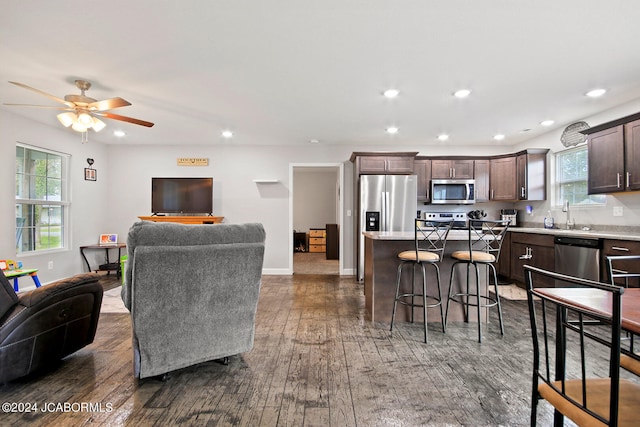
79,127
67,119
85,120
98,124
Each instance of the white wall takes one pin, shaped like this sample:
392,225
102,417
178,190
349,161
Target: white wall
597,217
123,189
315,198
88,198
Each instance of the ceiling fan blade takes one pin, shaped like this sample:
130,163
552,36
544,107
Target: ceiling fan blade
125,119
55,98
108,104
40,106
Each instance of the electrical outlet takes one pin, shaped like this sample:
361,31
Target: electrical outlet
50,265
617,211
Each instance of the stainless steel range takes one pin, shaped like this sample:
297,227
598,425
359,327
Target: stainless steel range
459,218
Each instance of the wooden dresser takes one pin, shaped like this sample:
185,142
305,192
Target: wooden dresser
317,240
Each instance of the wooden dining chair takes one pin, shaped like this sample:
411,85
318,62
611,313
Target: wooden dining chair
430,239
576,365
624,270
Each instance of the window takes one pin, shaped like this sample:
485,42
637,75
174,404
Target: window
572,168
41,199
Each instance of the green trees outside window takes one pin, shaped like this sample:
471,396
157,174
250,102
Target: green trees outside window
41,199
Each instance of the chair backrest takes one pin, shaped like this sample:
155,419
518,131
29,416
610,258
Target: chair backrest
486,235
192,291
431,235
624,270
8,297
570,333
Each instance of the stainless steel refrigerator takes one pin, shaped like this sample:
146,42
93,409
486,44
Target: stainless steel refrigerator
386,203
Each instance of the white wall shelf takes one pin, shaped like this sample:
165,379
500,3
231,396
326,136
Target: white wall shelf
266,181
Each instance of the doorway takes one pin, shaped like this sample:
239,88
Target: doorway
315,210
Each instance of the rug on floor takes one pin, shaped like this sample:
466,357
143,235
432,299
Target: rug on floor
110,281
512,292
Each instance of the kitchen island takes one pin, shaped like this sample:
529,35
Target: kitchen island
381,267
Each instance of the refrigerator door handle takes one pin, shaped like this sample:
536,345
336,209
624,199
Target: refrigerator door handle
384,221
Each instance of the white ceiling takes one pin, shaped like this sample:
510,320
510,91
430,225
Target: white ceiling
288,71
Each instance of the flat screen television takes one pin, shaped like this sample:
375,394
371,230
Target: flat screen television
181,195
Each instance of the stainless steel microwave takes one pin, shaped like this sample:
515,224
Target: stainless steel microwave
453,191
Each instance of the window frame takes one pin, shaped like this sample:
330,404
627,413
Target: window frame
595,200
64,203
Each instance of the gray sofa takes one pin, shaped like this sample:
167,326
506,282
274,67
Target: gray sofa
192,291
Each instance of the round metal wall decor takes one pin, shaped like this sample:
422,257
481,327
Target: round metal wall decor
572,136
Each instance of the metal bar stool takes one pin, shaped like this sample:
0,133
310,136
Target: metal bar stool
485,241
430,239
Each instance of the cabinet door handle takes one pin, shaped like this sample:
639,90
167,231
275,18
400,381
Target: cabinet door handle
491,197
628,179
618,177
452,172
527,255
619,248
522,192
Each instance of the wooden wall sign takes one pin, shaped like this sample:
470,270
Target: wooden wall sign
193,161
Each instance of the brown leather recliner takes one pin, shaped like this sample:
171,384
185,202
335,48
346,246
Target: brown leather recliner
40,327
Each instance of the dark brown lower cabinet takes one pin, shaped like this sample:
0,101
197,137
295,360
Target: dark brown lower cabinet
536,250
620,247
504,261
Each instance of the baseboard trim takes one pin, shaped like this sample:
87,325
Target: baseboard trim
276,272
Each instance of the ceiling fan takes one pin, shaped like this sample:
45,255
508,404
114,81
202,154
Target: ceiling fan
82,112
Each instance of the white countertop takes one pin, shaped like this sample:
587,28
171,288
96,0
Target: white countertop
463,234
622,235
409,235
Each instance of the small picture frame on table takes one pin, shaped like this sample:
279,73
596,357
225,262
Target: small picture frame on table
108,239
90,174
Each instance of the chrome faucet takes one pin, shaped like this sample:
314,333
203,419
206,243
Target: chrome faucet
566,209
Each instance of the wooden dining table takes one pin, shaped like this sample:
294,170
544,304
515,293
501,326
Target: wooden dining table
599,301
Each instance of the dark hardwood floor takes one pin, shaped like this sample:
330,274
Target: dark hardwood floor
316,362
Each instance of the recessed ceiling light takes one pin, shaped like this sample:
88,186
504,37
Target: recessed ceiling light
595,93
498,137
314,141
119,133
227,134
443,137
462,93
547,122
391,93
392,130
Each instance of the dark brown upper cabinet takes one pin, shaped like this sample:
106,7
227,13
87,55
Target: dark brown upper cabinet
422,168
614,157
502,179
383,163
481,175
450,169
531,170
522,176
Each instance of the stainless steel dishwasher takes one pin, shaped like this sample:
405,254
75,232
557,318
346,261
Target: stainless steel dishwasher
578,256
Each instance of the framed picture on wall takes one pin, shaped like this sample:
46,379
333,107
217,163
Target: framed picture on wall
90,174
